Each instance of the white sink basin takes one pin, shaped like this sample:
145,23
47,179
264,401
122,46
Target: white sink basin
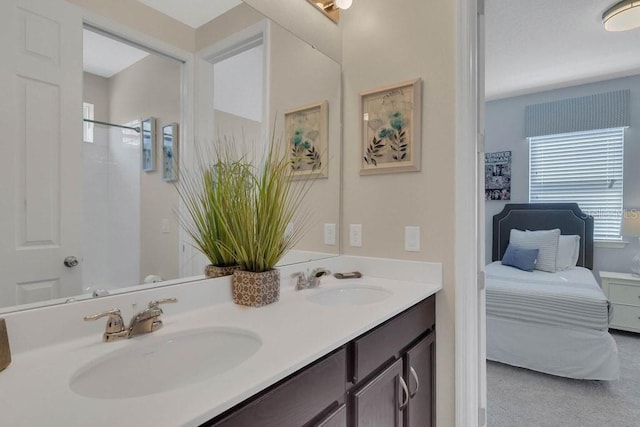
349,294
159,363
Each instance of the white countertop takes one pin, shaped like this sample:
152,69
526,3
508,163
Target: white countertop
34,389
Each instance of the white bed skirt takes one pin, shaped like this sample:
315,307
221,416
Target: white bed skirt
572,353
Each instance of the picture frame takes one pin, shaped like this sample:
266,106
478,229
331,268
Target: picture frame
148,144
391,128
170,138
497,176
306,130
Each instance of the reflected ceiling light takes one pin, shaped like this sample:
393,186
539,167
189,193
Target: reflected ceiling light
331,8
343,4
622,16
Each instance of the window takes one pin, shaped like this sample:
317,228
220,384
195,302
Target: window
581,167
87,127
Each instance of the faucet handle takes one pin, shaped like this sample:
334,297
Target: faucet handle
115,323
157,302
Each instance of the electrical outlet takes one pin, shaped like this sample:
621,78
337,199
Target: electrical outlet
355,235
329,234
412,239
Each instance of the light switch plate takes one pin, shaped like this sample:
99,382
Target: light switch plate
355,235
330,234
412,239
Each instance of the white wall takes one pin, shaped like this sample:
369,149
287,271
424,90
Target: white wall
384,44
505,129
95,160
151,87
300,75
238,84
306,22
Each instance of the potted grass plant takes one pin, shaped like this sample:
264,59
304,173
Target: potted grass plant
265,203
201,192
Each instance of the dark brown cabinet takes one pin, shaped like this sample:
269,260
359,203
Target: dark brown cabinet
418,374
380,402
384,377
296,401
393,371
335,418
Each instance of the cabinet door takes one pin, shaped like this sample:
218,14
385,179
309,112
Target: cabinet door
419,374
381,400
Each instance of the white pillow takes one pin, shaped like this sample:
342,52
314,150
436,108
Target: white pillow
546,241
568,251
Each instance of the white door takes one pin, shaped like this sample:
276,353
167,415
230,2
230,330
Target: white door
40,162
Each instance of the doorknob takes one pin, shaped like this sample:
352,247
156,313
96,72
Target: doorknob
70,261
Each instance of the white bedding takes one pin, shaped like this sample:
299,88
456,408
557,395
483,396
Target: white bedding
550,322
570,298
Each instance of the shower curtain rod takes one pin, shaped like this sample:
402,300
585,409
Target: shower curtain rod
137,129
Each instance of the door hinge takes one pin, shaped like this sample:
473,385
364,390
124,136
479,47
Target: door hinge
480,7
482,416
481,280
480,143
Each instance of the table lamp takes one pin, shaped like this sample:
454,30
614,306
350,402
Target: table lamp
631,227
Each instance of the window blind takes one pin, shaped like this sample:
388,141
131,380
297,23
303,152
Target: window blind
599,111
581,167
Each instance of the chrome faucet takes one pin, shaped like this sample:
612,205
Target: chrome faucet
309,280
148,320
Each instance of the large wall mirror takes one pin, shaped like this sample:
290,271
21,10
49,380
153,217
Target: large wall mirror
88,212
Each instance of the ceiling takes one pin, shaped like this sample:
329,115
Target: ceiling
194,13
536,45
531,45
106,57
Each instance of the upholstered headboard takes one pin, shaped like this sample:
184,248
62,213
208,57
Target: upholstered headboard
544,216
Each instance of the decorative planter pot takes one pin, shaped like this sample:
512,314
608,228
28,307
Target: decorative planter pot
212,271
255,289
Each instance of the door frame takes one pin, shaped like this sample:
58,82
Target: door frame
187,90
470,380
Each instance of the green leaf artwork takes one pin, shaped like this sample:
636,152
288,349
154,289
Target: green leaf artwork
388,132
305,133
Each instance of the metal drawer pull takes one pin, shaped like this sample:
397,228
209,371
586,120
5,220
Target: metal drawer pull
415,377
405,393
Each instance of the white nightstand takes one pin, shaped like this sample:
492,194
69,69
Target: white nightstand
623,291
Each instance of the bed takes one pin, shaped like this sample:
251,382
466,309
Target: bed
551,322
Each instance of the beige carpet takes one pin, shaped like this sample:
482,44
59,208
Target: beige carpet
520,397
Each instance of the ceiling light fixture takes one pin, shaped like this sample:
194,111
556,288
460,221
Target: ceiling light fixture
331,8
343,4
622,16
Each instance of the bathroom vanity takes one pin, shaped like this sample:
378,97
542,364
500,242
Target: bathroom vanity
380,378
348,353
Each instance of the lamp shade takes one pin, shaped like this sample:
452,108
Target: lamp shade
622,16
631,223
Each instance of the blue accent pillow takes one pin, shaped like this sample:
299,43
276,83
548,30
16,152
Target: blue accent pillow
524,259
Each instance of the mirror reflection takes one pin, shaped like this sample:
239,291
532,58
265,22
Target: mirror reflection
106,204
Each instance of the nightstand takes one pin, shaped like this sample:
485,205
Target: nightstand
623,291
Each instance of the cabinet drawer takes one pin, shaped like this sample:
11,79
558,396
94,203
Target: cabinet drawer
297,400
385,342
626,317
337,418
624,294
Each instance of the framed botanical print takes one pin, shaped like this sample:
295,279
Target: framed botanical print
148,144
170,152
306,129
391,128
